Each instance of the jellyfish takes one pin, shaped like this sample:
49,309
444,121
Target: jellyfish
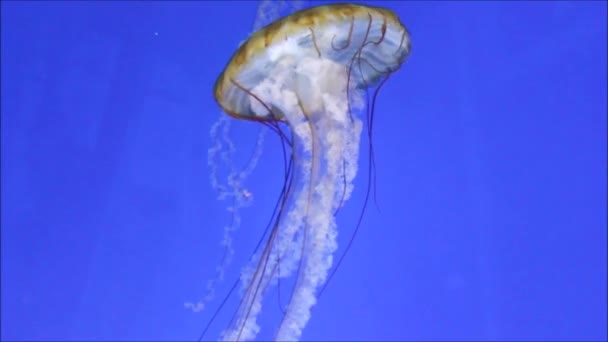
306,77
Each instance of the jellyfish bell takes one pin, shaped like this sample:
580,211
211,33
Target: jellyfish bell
341,34
309,71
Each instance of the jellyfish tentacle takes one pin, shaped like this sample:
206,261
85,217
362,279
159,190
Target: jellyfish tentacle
250,93
400,49
348,38
371,157
371,172
249,299
343,188
314,170
314,41
259,273
382,31
279,206
365,201
356,55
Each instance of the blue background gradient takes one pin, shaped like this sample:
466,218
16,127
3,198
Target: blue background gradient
490,150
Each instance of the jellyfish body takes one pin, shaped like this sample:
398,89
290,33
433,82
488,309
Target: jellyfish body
308,70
